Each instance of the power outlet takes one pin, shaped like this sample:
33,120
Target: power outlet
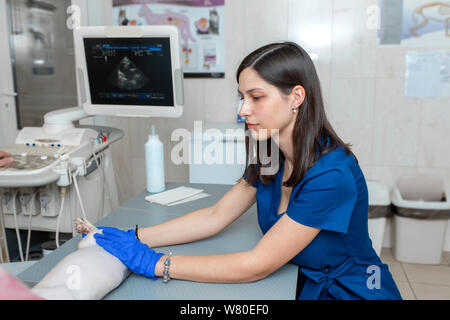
49,200
30,203
7,199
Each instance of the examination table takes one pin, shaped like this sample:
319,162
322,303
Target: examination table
241,235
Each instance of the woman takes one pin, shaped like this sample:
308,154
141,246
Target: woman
313,211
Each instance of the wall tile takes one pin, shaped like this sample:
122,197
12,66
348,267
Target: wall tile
366,169
390,102
193,111
388,175
436,111
121,148
221,100
352,100
234,44
395,143
194,107
139,176
359,135
351,110
265,22
434,149
123,172
354,44
310,26
175,172
391,62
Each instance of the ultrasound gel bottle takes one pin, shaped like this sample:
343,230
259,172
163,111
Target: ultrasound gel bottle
154,163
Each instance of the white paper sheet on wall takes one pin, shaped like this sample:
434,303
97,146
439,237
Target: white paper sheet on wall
427,74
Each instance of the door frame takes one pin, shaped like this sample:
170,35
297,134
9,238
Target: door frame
8,95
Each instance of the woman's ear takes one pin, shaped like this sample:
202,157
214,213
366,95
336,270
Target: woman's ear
297,96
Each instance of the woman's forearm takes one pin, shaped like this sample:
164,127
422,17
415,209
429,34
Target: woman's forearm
222,268
190,227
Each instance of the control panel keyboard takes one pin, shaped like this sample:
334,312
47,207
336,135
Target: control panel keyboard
32,156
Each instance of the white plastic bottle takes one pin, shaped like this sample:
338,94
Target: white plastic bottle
154,162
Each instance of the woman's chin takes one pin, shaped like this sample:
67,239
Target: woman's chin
260,134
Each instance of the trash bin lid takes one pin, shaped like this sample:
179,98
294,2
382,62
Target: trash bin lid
420,197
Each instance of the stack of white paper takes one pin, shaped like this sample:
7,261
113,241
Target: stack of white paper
176,196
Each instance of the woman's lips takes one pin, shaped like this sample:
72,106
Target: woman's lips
251,125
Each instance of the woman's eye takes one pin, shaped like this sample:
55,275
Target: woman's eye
257,98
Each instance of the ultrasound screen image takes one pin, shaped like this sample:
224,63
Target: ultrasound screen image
127,76
129,71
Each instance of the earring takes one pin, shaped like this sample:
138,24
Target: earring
294,110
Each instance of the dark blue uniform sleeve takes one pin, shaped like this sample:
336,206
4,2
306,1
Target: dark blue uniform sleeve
326,201
255,184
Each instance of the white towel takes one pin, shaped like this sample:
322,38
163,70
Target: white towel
175,196
196,197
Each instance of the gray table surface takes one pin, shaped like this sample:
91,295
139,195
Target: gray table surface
241,235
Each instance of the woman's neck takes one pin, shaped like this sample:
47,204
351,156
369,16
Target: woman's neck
286,145
287,148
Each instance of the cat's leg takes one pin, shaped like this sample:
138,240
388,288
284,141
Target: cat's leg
84,226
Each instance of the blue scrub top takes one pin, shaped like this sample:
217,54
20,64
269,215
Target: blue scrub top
340,262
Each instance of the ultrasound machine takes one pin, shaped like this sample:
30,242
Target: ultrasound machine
61,171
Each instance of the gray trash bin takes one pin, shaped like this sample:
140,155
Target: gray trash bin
379,210
421,207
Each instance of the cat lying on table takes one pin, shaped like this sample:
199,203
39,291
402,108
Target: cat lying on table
89,273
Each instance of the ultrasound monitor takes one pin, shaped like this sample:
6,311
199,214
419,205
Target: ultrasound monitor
132,71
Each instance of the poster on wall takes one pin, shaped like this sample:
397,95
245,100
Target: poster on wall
414,23
201,26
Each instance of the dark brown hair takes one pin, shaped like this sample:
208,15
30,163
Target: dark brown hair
286,65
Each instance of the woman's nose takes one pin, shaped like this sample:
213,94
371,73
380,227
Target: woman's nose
244,111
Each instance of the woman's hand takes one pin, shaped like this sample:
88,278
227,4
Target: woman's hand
124,245
5,159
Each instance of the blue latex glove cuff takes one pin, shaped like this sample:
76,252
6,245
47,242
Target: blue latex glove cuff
124,245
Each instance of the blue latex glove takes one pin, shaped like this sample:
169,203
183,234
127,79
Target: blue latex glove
124,245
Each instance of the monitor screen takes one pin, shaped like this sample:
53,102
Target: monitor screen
129,71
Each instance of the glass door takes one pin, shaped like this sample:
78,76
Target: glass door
43,58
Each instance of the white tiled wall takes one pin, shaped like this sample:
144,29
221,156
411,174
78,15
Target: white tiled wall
362,84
